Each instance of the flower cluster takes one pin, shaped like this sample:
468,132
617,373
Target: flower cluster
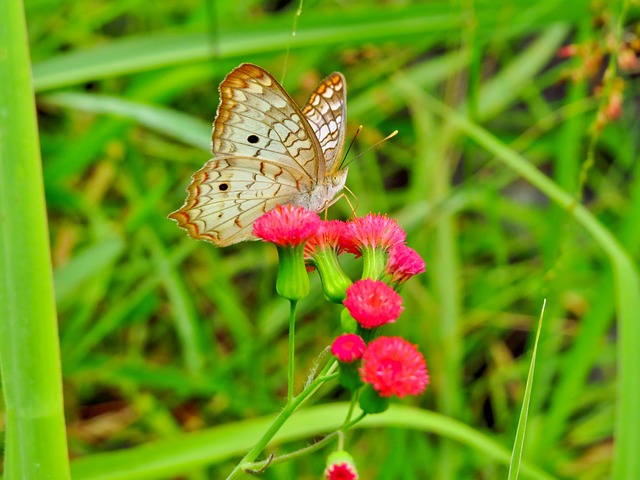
389,366
378,367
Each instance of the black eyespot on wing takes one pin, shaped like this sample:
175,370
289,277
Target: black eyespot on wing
223,187
252,139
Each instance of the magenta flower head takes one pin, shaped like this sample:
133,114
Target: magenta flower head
373,303
392,366
340,466
372,236
348,349
321,251
403,263
289,227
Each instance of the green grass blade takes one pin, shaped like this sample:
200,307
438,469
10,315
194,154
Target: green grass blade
36,446
518,444
174,124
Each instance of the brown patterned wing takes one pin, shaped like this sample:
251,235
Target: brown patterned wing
326,112
229,193
257,119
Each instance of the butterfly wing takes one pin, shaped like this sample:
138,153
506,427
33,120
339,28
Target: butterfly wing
326,112
257,118
229,193
264,154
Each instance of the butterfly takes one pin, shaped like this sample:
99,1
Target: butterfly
266,152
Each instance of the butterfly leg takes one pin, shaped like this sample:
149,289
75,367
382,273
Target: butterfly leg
353,209
327,204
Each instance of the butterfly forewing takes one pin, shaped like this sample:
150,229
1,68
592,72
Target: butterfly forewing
326,112
257,118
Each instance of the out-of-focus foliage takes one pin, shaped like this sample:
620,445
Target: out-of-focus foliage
161,334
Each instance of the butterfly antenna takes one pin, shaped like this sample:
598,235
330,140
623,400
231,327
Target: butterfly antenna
344,157
391,135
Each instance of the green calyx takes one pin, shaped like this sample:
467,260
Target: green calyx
293,281
349,376
334,281
339,457
371,401
374,262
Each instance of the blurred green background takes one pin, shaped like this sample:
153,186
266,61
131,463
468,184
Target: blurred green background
161,334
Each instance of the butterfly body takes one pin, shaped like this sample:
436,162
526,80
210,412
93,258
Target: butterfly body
266,151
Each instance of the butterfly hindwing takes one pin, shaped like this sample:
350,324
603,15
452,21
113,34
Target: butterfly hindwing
229,193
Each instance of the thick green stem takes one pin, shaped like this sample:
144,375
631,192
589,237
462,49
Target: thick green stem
280,420
36,446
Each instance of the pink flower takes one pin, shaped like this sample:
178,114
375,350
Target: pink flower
328,236
287,226
348,348
403,263
394,366
341,471
373,303
372,231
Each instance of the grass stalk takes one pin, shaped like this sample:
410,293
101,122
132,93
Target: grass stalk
36,446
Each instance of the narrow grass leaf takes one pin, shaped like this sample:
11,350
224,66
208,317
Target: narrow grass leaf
518,444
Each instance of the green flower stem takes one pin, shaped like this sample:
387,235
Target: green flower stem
292,346
326,378
353,422
283,416
340,440
352,406
36,445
